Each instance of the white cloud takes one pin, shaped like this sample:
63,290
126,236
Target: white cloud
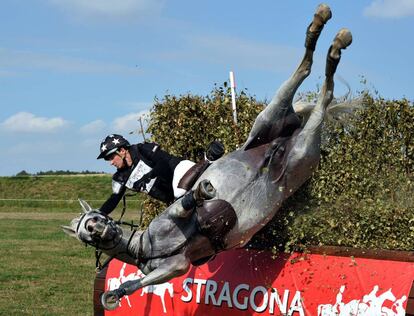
110,8
92,143
233,51
93,127
136,105
129,122
28,122
390,8
35,148
30,60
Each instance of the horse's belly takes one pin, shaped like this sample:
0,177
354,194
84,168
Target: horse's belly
254,208
228,177
253,197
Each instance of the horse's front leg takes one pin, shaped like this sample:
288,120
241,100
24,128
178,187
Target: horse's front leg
168,268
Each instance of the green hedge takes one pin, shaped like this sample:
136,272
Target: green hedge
362,193
185,125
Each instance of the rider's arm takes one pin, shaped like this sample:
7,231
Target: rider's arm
157,157
111,203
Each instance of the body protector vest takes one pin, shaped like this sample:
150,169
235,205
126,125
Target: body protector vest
151,172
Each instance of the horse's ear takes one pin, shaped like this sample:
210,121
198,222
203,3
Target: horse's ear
69,230
85,206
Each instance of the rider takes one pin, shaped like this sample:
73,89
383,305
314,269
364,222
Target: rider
145,167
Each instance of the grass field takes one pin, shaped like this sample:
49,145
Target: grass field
43,271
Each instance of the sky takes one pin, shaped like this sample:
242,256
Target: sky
74,71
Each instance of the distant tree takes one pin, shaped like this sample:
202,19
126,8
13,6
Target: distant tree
23,173
66,172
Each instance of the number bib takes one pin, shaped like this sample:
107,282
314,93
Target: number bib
139,171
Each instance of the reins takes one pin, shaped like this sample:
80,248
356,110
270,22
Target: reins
130,224
98,252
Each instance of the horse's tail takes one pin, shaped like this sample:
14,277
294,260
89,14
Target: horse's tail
340,110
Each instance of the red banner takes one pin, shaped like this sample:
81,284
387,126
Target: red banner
250,282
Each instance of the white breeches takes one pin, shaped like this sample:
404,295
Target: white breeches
179,172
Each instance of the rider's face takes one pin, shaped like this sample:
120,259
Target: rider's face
117,159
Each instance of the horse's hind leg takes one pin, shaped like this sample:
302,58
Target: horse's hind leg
307,146
279,114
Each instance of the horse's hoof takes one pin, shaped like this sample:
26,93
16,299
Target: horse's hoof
110,300
343,38
324,12
341,41
322,15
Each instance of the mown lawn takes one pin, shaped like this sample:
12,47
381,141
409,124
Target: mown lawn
42,270
59,193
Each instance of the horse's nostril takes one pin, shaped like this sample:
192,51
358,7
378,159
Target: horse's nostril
90,225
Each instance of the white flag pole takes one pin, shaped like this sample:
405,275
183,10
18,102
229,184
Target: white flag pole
233,96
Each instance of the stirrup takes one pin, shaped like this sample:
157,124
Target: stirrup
205,190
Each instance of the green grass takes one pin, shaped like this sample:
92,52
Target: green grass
60,193
55,187
42,270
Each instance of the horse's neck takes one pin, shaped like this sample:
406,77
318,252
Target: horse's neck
120,251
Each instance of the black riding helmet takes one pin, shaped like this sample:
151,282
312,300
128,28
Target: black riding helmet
111,144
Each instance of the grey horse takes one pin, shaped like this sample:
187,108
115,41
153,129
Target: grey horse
249,185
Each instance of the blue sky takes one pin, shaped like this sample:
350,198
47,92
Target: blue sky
72,71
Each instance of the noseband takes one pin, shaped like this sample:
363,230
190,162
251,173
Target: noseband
97,241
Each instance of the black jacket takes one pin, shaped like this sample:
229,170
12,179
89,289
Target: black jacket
151,172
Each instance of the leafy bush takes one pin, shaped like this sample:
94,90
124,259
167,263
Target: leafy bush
185,125
362,193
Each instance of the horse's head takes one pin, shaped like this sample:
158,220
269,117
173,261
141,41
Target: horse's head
94,228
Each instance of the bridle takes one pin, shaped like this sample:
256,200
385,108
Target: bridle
96,238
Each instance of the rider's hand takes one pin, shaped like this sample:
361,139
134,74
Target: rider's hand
215,150
141,184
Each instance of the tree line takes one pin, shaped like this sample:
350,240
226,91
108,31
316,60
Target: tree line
24,173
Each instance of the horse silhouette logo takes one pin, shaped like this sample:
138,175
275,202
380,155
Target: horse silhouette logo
114,283
156,289
159,290
370,305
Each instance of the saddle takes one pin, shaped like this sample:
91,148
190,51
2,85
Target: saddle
214,151
192,174
215,218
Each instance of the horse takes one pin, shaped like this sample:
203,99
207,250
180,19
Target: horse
246,187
